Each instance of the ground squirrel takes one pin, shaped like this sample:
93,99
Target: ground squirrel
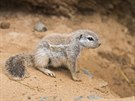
53,50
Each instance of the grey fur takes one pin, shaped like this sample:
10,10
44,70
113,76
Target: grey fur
55,50
63,50
15,66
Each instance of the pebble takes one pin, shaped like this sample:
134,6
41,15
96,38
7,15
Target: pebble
85,71
29,97
125,30
55,85
93,97
60,79
43,98
4,25
104,18
110,6
78,98
40,27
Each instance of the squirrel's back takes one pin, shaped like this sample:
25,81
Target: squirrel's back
57,39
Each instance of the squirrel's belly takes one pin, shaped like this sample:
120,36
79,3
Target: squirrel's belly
58,59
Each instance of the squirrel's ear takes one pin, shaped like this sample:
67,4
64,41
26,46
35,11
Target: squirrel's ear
80,36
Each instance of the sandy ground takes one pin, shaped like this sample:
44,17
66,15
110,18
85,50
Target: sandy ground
113,62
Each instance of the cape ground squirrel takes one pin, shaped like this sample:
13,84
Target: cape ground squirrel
53,50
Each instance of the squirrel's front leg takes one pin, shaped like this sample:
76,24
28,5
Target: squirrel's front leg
73,69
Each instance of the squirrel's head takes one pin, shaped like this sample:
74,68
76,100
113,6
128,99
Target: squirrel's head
88,39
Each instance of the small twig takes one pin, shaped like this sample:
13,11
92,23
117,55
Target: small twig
33,88
26,85
124,75
133,84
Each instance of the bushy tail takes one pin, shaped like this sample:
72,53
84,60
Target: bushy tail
15,66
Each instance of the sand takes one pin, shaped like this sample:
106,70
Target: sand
21,38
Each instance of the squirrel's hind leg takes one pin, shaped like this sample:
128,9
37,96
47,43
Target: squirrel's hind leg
47,72
41,63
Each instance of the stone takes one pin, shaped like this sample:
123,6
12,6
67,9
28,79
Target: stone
4,25
93,97
85,71
40,27
78,98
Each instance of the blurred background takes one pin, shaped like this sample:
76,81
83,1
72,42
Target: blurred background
113,20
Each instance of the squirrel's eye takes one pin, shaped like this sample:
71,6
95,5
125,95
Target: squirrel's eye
90,38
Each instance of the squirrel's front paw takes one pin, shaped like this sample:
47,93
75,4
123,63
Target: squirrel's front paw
52,74
49,73
76,78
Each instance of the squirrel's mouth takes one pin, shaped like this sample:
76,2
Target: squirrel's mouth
95,46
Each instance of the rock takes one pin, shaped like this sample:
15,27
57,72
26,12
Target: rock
104,18
110,6
85,71
93,97
4,25
78,98
43,98
125,30
50,98
40,27
29,97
